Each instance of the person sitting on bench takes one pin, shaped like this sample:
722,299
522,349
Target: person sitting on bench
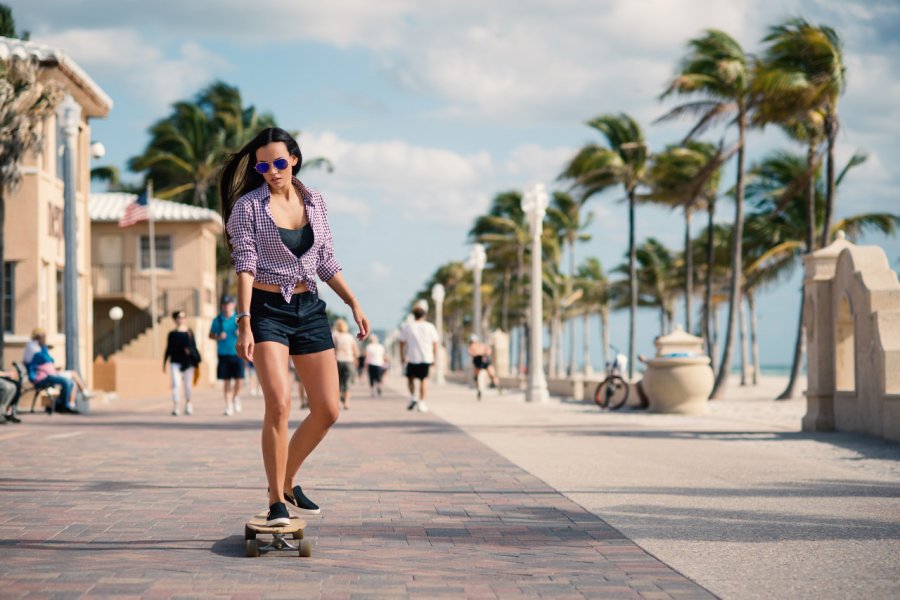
42,372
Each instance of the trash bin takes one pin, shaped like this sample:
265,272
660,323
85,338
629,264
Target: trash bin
679,379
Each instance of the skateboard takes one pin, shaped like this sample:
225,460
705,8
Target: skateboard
282,537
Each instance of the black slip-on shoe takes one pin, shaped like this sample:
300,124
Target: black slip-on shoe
300,503
278,515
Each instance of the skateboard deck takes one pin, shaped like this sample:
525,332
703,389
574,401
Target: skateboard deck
285,538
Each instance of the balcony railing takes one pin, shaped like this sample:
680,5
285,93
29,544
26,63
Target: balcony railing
120,280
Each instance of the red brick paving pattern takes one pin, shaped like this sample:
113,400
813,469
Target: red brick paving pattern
131,502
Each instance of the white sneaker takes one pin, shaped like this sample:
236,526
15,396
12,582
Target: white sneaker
228,412
237,404
188,409
422,406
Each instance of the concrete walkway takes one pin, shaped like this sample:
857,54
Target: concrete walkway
739,500
131,502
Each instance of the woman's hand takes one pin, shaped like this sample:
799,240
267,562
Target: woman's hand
245,343
361,321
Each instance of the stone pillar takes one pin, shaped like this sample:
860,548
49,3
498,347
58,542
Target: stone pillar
819,316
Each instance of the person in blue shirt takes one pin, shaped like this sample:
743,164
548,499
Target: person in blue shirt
42,372
230,368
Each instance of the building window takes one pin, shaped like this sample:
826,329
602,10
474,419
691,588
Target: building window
163,252
60,300
9,294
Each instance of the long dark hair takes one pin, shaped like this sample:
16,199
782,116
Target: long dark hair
238,175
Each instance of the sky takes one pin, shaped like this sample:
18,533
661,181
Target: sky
429,109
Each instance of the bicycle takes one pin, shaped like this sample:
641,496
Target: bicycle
612,393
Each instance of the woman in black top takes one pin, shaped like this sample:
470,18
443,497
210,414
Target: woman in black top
183,356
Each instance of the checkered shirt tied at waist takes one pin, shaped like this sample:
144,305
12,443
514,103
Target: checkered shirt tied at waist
256,245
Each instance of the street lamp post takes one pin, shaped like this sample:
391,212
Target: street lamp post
115,314
477,259
70,119
438,294
534,205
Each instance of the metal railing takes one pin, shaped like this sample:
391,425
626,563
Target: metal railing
186,299
119,280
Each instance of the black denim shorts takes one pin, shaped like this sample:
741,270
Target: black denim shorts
300,324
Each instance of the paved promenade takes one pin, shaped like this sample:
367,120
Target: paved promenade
739,500
131,502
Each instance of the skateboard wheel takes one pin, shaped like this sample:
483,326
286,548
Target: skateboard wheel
252,547
298,535
249,534
305,548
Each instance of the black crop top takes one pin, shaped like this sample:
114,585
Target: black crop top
297,241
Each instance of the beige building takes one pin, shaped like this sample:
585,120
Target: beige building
34,259
129,360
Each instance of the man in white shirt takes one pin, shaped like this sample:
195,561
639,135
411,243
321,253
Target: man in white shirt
418,347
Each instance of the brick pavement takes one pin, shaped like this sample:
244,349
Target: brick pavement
131,502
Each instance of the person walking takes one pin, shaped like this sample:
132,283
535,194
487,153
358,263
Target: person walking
480,353
230,366
418,346
183,357
280,240
346,352
375,363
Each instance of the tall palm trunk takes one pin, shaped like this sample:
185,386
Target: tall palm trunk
604,333
571,368
586,342
754,342
715,338
791,391
734,295
2,272
707,298
744,346
688,270
831,130
632,280
662,320
504,318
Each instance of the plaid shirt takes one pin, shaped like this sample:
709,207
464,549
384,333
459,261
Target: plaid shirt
256,245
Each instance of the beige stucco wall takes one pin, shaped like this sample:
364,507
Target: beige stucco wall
34,240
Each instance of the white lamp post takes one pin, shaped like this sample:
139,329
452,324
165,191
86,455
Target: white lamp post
534,205
438,294
477,260
115,314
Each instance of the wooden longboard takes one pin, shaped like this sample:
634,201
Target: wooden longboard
258,524
286,537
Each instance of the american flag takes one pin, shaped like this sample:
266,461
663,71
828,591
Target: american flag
137,211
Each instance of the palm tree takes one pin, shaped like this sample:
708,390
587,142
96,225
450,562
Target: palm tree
565,216
716,67
596,297
623,161
807,62
658,280
25,104
505,229
677,180
785,226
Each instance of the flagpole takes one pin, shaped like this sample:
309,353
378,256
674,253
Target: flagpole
153,309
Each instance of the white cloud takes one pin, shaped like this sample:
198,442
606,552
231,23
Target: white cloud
123,54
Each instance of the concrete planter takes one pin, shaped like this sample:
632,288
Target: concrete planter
679,384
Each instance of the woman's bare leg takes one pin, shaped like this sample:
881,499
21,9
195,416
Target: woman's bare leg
319,375
270,359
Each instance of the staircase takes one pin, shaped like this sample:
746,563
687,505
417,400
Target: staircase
132,328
